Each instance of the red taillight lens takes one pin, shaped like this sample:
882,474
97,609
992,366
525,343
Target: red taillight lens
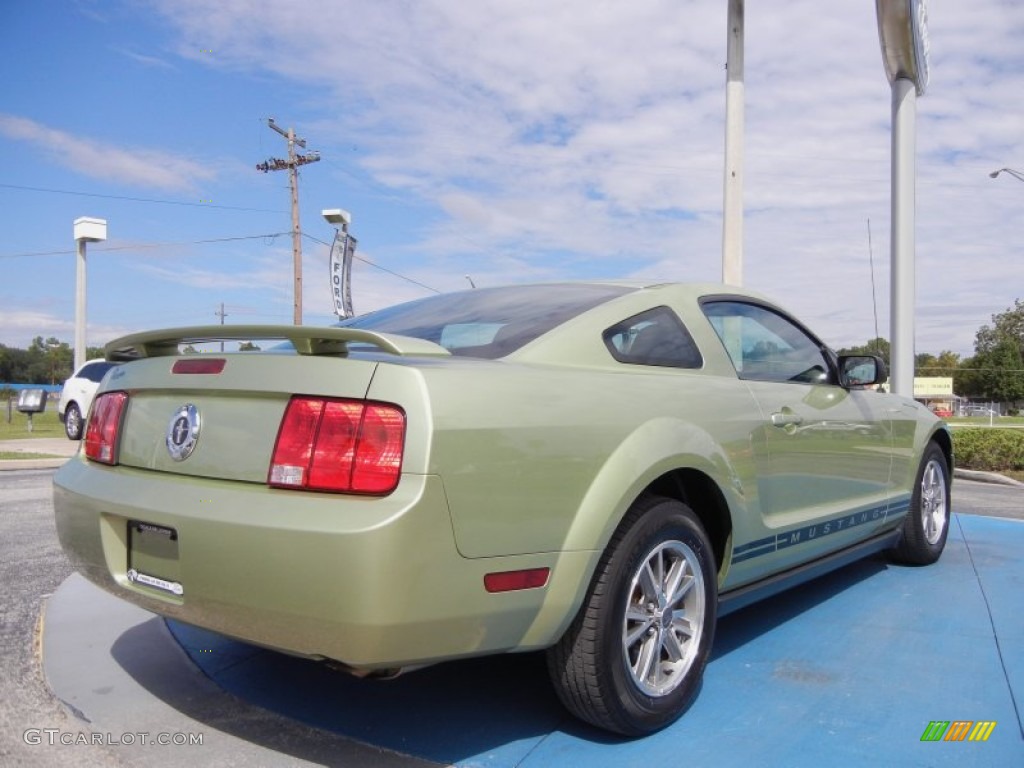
331,468
338,445
294,447
511,581
378,459
104,427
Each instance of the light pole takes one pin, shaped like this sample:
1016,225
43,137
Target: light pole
87,230
1016,174
51,350
343,250
732,206
903,34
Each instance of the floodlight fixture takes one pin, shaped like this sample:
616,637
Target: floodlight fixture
337,217
1016,174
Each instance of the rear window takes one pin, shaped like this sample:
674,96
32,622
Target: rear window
95,371
488,322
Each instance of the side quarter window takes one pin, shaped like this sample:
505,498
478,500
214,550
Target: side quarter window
767,346
655,337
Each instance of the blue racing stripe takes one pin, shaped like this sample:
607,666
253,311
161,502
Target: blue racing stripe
818,530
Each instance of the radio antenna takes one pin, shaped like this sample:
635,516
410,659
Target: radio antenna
874,299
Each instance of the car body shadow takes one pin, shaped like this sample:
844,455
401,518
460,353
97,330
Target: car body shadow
499,706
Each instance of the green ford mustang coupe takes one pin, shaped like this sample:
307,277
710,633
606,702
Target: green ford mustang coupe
595,469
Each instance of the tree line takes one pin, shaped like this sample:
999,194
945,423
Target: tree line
51,361
46,361
994,372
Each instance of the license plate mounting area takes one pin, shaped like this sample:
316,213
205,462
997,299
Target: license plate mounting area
153,557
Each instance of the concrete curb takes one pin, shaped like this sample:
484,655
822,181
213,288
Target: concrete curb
7,465
59,449
986,477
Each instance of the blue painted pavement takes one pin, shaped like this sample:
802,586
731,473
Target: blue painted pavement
847,670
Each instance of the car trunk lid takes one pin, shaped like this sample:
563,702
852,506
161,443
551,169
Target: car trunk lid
238,399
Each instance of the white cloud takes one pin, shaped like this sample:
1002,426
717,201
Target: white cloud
148,168
585,138
145,60
269,273
19,326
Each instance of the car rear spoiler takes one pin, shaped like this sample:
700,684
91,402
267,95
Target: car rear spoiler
307,340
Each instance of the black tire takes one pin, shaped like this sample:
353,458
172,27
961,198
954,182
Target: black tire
598,667
927,523
73,422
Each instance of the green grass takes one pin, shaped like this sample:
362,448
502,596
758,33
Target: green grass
983,421
43,424
17,455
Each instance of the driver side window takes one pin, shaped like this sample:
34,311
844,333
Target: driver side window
766,346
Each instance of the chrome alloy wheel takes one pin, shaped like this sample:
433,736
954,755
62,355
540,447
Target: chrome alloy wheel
934,504
664,618
73,422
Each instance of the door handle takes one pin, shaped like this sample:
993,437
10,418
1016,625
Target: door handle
786,418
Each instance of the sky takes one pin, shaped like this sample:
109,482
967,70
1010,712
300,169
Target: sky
510,142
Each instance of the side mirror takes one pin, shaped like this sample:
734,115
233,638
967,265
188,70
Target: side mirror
861,371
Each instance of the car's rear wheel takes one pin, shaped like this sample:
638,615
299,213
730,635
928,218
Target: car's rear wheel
73,422
632,660
927,523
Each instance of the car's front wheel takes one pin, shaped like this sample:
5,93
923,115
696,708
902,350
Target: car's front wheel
73,422
927,523
632,660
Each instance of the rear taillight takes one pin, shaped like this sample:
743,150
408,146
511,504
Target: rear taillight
348,446
101,435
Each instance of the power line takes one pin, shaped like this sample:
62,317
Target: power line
138,199
378,266
144,246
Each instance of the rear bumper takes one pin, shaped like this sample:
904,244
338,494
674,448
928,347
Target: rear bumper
375,583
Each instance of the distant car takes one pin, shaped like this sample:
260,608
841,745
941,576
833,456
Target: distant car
77,394
978,410
596,469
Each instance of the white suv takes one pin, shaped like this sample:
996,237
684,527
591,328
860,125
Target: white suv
76,397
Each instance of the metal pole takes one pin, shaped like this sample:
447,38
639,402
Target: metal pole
904,114
293,178
732,217
222,315
80,304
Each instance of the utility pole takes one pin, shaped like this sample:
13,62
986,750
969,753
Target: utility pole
292,164
222,314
